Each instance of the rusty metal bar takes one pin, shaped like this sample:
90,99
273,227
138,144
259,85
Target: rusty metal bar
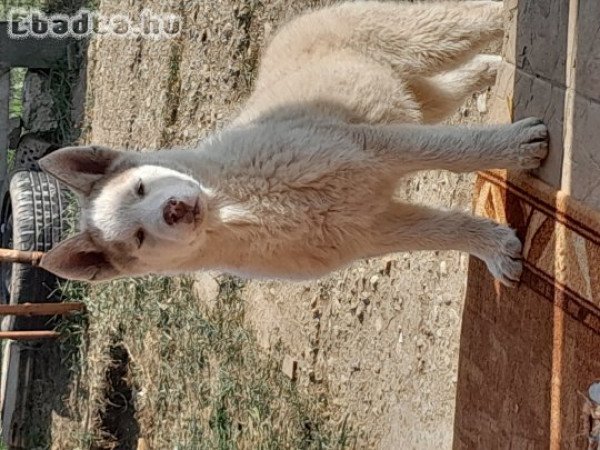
28,335
19,256
41,309
32,309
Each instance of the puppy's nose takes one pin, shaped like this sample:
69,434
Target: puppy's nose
176,211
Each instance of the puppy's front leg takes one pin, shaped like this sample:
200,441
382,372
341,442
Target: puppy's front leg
521,145
405,227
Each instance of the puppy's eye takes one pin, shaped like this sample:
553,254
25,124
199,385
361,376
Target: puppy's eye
140,236
141,191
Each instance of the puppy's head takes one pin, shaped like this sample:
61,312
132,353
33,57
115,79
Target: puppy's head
137,217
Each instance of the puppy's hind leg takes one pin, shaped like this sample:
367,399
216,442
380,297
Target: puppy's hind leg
440,95
424,38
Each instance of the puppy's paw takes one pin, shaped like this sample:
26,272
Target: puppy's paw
531,142
504,260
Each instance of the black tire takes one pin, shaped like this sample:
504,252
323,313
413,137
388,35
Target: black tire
33,219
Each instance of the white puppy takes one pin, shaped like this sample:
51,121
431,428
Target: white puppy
302,182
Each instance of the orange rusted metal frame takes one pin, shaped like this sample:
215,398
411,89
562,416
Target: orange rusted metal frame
28,335
32,309
36,309
40,309
18,256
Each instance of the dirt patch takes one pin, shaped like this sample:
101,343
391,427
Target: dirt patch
146,94
118,421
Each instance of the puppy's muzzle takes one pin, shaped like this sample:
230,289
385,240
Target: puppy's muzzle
177,211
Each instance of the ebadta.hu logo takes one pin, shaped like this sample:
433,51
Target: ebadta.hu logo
35,23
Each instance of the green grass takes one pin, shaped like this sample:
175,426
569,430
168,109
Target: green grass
201,379
15,105
61,85
7,5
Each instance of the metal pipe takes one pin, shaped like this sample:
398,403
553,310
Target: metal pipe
28,335
41,309
19,256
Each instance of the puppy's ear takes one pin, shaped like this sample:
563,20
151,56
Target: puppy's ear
79,167
78,258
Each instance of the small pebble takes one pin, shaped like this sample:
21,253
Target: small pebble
594,392
289,367
482,104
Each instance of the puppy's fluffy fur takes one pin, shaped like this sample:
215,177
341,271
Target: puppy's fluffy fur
302,182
